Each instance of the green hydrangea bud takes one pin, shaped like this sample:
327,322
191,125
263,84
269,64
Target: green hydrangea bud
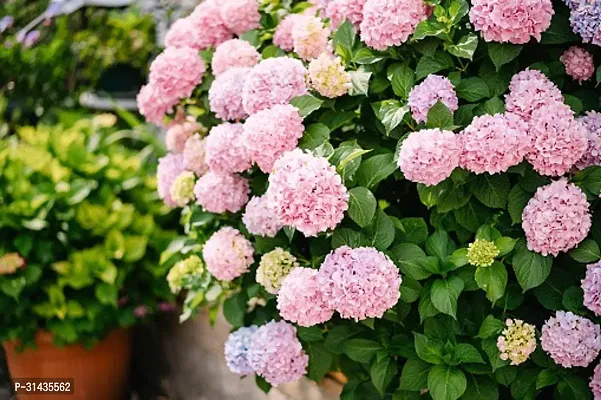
179,273
273,268
182,190
482,253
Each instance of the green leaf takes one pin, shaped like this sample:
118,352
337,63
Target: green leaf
545,378
390,113
479,388
430,65
410,289
381,231
491,190
428,28
426,308
516,202
589,179
272,51
492,351
410,259
573,387
531,269
439,116
459,257
135,248
106,294
586,252
457,10
598,75
440,245
491,327
361,350
572,299
362,206
359,83
465,47
375,169
345,36
524,385
310,334
320,361
494,106
473,89
466,353
414,376
411,230
315,135
445,294
505,245
306,104
446,382
402,78
336,338
493,280
503,53
262,384
365,56
382,371
234,309
560,31
349,237
431,351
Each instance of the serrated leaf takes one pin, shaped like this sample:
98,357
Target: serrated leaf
362,206
402,79
315,135
445,294
531,269
503,53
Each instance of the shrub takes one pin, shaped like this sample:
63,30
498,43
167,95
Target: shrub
427,234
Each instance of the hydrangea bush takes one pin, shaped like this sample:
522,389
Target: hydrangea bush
405,191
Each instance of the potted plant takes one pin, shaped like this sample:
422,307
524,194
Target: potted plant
82,232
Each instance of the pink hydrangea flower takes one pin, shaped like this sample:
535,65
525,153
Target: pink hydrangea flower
558,139
309,37
306,192
207,20
359,283
595,383
225,94
425,95
270,133
184,33
179,133
240,16
429,156
300,299
592,124
339,10
221,193
591,285
328,76
176,72
283,33
169,168
530,90
389,23
227,254
579,63
258,218
493,143
234,53
152,105
557,218
273,81
225,152
276,354
571,340
194,155
513,21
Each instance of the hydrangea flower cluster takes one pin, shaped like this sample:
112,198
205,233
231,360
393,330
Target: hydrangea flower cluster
585,18
276,354
556,219
236,350
482,253
179,133
211,27
184,33
306,192
227,254
558,139
194,155
359,283
494,143
517,341
339,10
225,153
513,21
529,90
234,53
270,133
592,156
225,94
301,300
429,156
283,33
328,76
11,263
309,37
152,105
182,270
571,340
425,95
240,16
258,218
273,81
221,193
273,268
591,286
170,167
579,63
387,23
182,190
595,383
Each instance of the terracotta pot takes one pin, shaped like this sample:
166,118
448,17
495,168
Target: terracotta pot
99,373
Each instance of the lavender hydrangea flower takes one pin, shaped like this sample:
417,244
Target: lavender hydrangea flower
236,350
